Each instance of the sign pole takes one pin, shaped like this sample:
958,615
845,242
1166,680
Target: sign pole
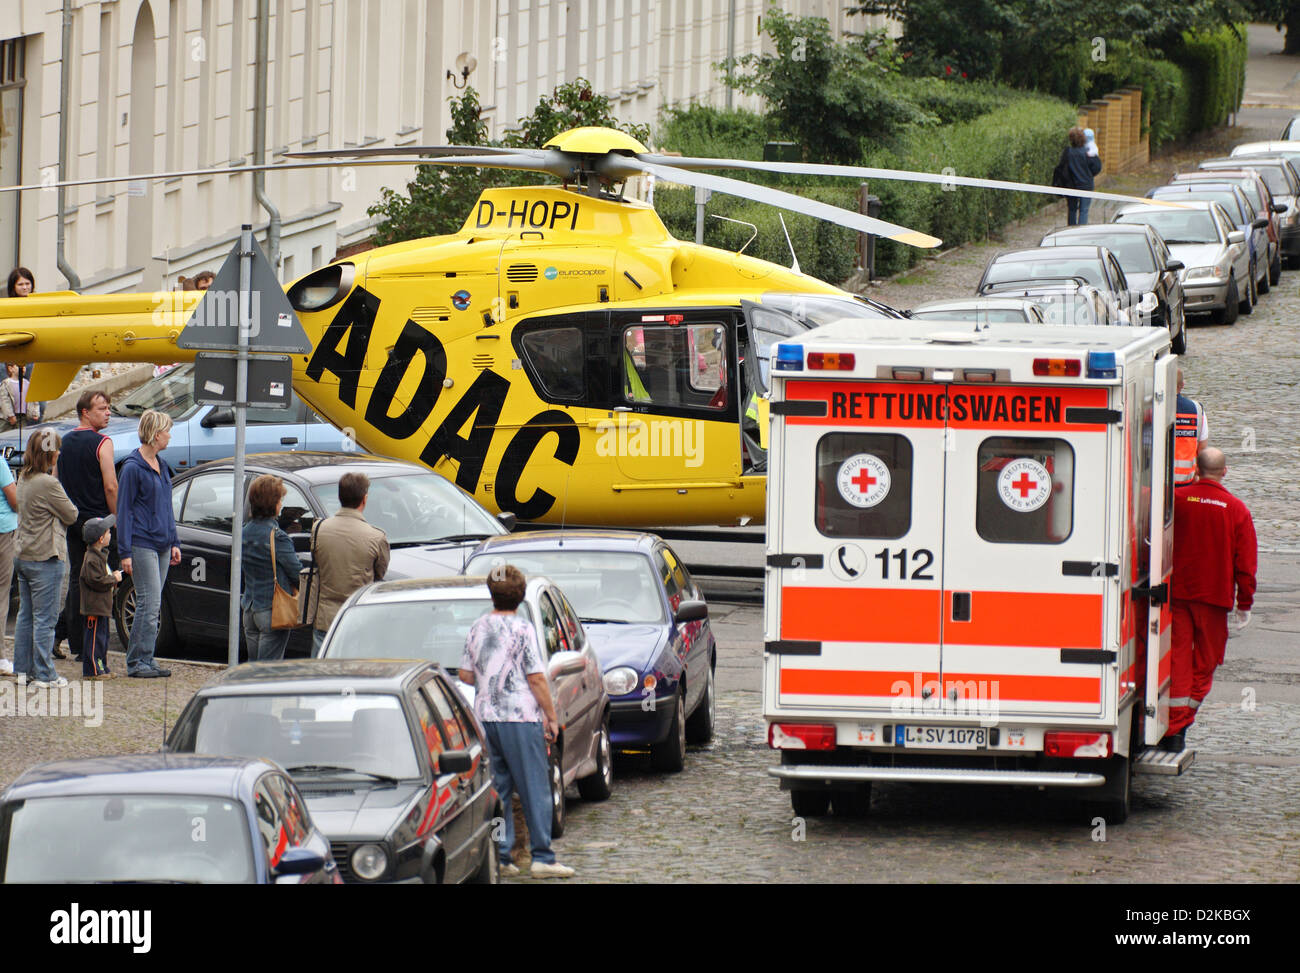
241,409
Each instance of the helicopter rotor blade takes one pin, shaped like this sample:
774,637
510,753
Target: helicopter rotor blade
616,167
397,150
866,172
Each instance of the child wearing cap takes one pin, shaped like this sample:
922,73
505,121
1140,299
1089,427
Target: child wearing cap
98,584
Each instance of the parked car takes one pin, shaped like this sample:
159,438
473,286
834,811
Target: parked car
1064,300
981,310
1257,191
1147,264
649,624
1213,251
430,618
1280,179
1235,203
1096,265
432,525
1292,128
388,759
201,433
160,818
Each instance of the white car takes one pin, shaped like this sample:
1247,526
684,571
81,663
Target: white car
1215,255
979,309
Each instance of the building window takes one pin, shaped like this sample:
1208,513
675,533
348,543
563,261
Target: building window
12,78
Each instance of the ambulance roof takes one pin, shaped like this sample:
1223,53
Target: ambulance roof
916,335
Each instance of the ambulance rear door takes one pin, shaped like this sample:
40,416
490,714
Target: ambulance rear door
860,537
1160,476
1027,568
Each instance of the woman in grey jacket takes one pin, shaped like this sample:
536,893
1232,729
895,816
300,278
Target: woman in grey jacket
41,552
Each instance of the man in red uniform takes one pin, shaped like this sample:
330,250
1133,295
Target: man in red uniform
1214,560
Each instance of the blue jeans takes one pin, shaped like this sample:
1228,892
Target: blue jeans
38,611
148,572
1076,210
518,752
264,642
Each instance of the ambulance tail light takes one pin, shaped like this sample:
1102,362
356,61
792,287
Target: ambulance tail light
831,361
909,374
1101,364
1074,744
801,736
789,358
1058,367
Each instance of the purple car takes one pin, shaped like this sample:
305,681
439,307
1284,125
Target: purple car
647,620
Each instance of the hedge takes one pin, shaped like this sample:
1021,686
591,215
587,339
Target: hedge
1216,71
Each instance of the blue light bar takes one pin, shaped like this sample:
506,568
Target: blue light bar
789,358
1101,364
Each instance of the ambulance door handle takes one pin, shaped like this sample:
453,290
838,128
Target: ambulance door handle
961,606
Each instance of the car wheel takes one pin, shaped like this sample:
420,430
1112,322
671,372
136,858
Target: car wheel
1179,343
1228,315
489,869
557,792
699,726
1275,268
599,785
124,610
810,804
1263,285
853,803
670,755
1248,302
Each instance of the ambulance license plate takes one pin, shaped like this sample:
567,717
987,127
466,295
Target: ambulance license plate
942,737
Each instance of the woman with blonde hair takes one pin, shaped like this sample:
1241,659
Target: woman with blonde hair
146,535
41,552
263,569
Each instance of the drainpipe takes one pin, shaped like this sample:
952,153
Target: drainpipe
74,282
259,133
731,43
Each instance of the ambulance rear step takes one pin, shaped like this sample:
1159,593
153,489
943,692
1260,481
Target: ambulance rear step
829,775
1152,761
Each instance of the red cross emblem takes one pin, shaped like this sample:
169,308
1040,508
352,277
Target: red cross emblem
1024,485
863,480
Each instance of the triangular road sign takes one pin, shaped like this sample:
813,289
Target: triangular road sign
215,321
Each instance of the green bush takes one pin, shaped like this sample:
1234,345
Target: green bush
1216,73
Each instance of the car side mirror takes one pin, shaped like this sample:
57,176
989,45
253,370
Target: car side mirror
1236,236
1175,265
1148,303
1279,207
566,664
455,762
692,611
299,861
219,416
507,520
1259,224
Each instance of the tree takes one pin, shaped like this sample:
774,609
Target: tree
827,96
437,199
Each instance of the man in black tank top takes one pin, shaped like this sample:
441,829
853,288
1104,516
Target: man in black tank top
88,477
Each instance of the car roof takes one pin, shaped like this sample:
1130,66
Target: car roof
449,588
1230,162
1203,205
587,539
1272,145
315,676
149,773
991,301
1056,253
317,466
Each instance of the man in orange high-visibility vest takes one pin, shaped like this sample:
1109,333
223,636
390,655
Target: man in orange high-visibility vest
1191,432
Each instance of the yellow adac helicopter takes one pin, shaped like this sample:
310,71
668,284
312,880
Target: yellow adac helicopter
561,356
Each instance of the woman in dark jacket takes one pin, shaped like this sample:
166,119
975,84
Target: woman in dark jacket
265,495
1079,168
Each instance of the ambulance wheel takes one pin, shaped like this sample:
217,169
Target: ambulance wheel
1275,268
1251,299
810,804
1113,802
854,803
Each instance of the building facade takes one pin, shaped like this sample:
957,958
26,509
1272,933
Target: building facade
168,85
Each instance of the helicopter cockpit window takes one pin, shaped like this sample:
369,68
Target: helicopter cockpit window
782,316
555,360
676,366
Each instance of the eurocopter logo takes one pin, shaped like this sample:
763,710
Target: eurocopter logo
551,273
633,436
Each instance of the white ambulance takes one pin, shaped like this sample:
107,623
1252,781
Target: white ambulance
969,544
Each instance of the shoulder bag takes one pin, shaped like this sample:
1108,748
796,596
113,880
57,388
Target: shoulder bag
284,604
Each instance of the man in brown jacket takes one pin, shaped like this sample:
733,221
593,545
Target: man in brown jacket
348,552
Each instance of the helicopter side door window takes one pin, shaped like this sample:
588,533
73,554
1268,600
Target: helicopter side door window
555,358
676,366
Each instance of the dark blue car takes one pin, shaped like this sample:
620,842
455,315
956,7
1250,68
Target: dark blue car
647,620
160,818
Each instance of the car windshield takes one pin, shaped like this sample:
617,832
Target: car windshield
1177,226
434,630
1130,249
997,315
603,586
418,508
172,393
1274,178
1040,265
1066,309
1228,200
129,838
346,734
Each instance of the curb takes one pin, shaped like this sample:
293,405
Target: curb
108,384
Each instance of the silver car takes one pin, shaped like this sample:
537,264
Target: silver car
981,310
1289,221
1214,253
429,618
